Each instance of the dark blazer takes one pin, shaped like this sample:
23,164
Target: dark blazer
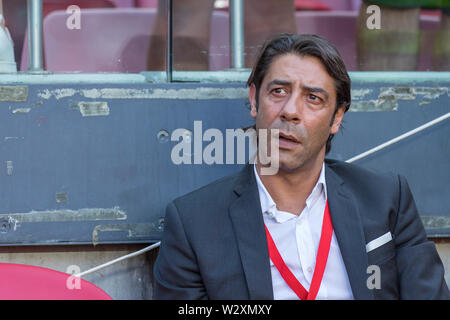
214,244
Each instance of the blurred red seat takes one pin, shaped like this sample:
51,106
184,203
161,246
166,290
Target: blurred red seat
429,25
310,5
342,5
123,3
25,282
337,26
219,51
53,5
340,28
109,40
147,3
117,40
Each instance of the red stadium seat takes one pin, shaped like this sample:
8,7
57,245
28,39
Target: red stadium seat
339,4
429,26
116,41
337,26
110,40
124,3
53,5
147,3
25,282
340,28
219,51
310,5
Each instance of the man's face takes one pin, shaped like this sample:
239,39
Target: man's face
297,97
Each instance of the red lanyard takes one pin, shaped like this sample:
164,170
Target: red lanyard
321,260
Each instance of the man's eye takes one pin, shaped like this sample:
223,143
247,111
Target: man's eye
314,98
279,91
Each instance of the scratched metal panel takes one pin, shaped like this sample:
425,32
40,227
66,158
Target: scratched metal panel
423,158
89,163
84,164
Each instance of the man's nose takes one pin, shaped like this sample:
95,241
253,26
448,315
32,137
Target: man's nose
291,109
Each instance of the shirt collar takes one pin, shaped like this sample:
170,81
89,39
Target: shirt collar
319,190
269,207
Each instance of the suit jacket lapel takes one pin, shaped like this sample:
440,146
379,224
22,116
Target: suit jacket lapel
248,224
349,232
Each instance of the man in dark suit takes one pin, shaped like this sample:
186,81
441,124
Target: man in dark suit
316,229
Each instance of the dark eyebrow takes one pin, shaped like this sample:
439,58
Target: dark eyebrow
278,82
316,89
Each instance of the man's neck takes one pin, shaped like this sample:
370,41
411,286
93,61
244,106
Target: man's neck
289,190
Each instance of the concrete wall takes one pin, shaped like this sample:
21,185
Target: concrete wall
443,247
130,279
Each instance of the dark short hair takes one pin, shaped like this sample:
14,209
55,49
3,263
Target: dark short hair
305,45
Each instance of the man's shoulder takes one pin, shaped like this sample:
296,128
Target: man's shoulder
358,175
220,189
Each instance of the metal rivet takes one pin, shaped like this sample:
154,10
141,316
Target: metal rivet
161,224
163,136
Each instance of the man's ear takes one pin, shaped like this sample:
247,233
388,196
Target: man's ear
252,99
339,115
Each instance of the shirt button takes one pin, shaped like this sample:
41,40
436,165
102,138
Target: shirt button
309,269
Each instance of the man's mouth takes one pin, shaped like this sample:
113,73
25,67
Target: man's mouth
288,137
287,141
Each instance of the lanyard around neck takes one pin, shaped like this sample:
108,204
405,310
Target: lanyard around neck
321,260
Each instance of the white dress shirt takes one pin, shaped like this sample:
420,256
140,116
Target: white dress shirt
297,239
